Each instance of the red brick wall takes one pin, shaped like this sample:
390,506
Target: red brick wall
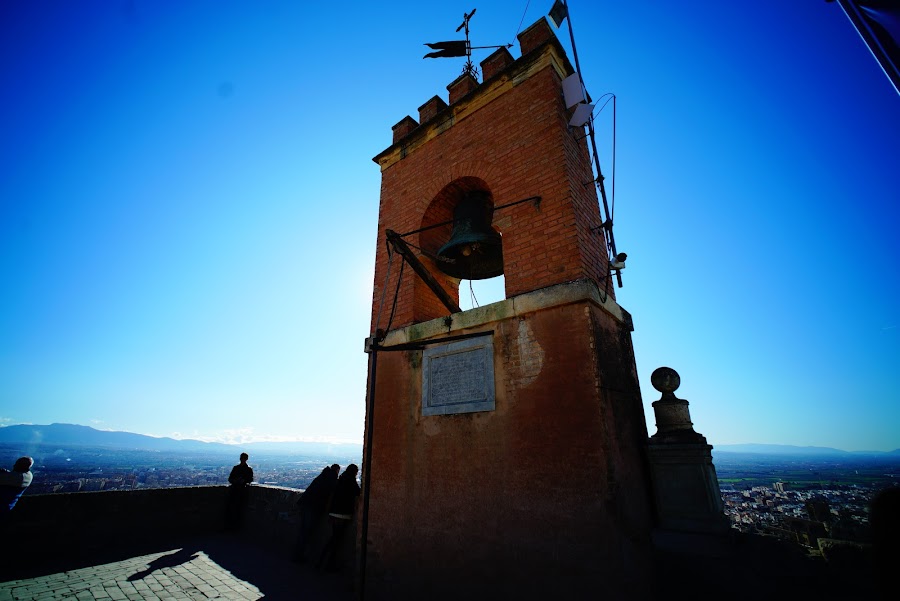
546,497
518,145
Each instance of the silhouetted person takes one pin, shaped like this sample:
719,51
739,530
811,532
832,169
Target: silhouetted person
13,484
313,503
340,514
240,478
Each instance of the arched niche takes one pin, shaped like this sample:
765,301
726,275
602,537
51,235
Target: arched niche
440,211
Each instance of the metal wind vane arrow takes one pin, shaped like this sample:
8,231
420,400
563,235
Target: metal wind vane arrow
455,48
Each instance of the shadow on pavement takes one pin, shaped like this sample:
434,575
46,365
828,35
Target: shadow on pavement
273,574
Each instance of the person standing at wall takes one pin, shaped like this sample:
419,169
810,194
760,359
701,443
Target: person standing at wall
240,478
340,513
312,504
13,484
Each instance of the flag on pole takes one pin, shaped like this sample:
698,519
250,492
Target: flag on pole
447,49
559,12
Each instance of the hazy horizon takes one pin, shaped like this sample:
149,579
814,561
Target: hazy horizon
322,440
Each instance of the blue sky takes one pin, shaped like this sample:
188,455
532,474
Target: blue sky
188,209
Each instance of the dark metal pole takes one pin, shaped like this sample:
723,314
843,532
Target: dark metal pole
572,39
609,232
367,468
875,46
422,271
535,199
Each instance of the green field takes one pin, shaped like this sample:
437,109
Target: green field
744,470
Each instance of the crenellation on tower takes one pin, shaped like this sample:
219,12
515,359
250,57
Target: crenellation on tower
536,35
495,63
500,72
461,87
404,127
430,109
491,133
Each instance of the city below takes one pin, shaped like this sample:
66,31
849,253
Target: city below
798,494
804,498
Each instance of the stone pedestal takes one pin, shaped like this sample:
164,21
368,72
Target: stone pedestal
685,486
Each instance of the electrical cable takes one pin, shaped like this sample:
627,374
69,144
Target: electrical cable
522,20
384,287
612,198
604,290
396,296
596,162
612,210
611,97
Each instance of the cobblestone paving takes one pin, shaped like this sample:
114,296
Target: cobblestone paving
169,576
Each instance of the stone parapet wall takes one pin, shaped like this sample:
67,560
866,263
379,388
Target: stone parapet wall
272,517
88,522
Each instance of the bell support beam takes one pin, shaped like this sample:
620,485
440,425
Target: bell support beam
534,199
403,249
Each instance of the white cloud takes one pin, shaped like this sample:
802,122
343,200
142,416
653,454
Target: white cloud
248,435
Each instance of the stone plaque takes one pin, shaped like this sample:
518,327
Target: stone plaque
458,377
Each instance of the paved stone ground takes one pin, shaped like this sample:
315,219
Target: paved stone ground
209,568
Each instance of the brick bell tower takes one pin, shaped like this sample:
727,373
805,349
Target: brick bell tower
505,444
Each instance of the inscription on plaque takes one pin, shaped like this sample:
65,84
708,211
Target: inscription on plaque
458,377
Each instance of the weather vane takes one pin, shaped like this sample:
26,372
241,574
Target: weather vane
460,47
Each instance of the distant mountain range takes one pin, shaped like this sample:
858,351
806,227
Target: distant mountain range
794,451
71,434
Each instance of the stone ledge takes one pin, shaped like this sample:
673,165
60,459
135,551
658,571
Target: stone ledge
530,302
87,521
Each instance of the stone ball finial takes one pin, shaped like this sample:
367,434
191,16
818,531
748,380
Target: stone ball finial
666,380
673,418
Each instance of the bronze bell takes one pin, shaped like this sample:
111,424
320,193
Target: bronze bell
475,249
